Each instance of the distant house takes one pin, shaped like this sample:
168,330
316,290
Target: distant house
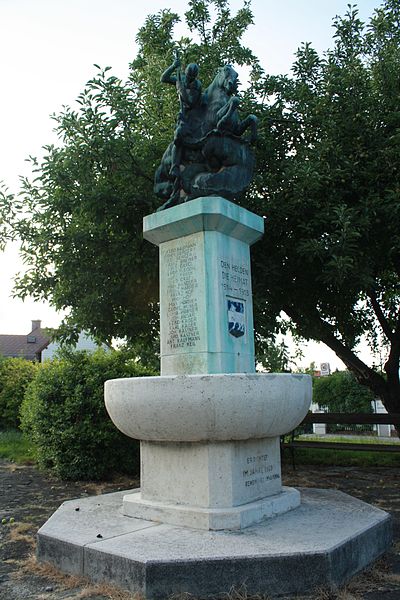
85,342
38,345
28,346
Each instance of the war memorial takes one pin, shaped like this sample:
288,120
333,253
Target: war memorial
211,513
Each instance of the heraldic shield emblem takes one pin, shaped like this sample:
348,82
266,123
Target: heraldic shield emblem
236,317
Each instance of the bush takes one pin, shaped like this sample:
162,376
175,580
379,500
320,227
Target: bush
64,414
15,376
341,393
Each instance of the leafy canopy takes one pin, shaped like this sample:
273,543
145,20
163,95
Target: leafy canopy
328,183
80,219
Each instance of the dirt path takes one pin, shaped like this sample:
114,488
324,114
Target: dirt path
30,497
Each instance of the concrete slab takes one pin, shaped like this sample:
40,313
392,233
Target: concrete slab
77,523
323,542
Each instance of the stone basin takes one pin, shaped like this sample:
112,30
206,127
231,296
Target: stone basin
217,407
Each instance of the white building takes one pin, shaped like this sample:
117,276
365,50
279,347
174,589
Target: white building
85,342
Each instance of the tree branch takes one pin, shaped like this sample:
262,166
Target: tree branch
380,316
322,331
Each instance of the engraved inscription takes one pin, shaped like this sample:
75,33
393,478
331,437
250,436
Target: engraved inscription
235,277
182,308
258,470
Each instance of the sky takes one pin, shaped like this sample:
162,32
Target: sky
48,48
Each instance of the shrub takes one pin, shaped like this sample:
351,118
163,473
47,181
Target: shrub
64,414
15,375
341,392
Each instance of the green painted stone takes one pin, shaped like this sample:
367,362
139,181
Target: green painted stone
206,307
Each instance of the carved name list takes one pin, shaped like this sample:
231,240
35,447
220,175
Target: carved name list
181,264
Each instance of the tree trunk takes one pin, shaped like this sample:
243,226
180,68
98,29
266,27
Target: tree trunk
386,389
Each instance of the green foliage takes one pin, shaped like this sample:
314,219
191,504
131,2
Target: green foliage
327,181
146,351
15,376
332,176
310,370
341,393
80,219
64,415
274,357
85,213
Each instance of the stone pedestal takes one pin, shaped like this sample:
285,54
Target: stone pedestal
209,426
210,454
206,309
209,430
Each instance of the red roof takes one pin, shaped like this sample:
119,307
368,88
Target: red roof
25,346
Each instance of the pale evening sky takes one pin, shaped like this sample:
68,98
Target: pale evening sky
48,48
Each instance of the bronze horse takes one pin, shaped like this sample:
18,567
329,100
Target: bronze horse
214,158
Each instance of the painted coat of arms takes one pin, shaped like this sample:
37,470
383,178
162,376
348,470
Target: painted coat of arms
236,317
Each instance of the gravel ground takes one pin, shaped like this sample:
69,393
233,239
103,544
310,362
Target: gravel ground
29,497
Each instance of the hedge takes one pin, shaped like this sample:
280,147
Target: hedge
63,413
15,376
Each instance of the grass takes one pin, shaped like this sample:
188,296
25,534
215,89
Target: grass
81,587
16,447
344,458
347,439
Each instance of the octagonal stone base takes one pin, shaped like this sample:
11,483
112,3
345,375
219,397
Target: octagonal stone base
322,543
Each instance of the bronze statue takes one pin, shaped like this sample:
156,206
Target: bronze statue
189,92
208,156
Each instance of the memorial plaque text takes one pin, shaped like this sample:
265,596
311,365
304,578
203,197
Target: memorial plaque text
181,269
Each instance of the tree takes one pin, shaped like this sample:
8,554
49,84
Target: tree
327,182
80,219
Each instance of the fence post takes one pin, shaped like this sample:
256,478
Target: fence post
318,428
383,430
